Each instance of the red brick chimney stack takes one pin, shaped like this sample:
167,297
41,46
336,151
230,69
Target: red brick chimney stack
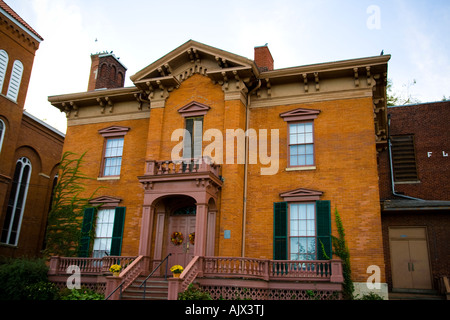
263,58
107,72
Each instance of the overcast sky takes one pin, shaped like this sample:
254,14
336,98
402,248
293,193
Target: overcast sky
415,33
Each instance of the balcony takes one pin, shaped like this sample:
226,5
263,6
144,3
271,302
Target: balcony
179,167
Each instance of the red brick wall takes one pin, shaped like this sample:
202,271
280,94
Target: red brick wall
429,125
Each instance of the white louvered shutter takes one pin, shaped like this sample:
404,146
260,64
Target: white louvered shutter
3,65
14,82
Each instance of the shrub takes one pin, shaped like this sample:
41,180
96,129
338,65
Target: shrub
81,294
193,293
17,274
370,296
43,290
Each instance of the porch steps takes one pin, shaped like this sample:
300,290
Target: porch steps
156,289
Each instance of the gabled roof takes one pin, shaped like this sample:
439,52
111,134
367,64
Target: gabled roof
200,58
10,13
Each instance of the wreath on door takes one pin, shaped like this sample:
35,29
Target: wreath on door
192,238
177,238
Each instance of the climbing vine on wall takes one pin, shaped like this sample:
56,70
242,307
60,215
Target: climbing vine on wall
68,202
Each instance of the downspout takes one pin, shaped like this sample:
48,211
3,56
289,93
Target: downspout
391,166
244,210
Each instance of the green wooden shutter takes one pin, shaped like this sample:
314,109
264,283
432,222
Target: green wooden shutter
280,231
116,242
323,218
86,227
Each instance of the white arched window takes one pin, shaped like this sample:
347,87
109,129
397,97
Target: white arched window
2,133
3,65
14,82
16,203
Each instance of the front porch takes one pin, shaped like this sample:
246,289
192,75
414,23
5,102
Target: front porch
223,277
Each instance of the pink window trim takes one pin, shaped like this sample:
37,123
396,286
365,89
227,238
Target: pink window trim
194,109
106,202
114,131
300,114
301,195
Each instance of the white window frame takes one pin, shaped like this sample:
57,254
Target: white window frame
296,233
103,232
15,200
2,133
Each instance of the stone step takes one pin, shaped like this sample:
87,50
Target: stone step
155,289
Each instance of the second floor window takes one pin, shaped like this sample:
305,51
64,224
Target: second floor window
193,143
301,144
112,160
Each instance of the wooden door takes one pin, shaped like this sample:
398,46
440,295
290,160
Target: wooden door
181,253
409,258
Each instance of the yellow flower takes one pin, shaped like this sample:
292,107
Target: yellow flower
176,269
115,268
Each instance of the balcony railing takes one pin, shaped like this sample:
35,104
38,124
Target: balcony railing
184,166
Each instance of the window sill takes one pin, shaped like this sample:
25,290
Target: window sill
108,178
305,168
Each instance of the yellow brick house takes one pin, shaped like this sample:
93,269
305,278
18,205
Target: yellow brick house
233,169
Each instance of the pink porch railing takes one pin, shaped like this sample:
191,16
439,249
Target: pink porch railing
165,167
262,269
211,270
59,265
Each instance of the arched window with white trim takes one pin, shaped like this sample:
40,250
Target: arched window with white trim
3,65
16,203
14,82
2,133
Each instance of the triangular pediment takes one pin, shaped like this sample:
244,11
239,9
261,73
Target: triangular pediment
301,194
113,131
106,201
190,58
194,109
300,114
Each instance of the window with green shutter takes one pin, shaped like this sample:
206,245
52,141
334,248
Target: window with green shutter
108,232
300,229
323,220
280,249
117,233
86,227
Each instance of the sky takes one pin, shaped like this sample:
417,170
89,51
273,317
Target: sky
414,32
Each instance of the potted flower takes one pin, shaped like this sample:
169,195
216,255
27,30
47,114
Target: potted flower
115,269
176,270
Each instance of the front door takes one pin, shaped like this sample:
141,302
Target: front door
409,258
181,226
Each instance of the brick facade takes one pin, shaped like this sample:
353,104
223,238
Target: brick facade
428,124
24,136
345,142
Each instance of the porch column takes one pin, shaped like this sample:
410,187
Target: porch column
146,230
200,229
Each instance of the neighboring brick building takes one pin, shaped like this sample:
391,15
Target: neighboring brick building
416,200
324,124
29,149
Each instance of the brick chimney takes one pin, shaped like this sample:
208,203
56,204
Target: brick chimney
107,72
263,58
